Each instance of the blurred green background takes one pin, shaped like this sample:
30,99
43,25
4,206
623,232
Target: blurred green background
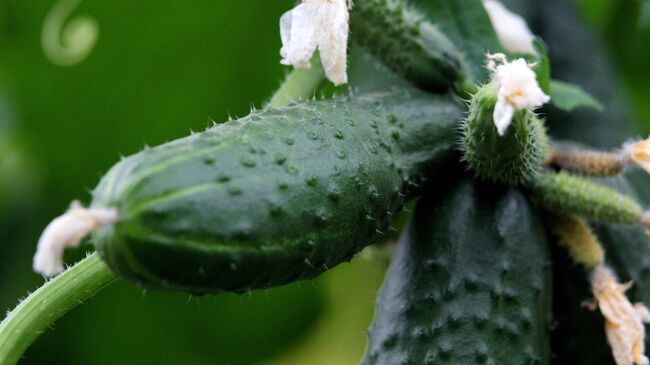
158,70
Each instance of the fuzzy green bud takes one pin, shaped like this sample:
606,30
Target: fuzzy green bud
567,194
512,158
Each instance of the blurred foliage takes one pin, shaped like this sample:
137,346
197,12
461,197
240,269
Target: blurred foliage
160,69
625,27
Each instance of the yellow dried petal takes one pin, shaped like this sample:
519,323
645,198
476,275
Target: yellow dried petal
639,153
623,320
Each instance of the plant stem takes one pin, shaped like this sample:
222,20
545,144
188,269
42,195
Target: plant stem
41,308
301,83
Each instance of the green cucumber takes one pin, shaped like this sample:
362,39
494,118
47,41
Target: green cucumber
514,158
278,196
407,43
469,284
568,194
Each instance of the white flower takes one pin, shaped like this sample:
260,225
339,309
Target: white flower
512,30
516,87
67,230
623,320
321,24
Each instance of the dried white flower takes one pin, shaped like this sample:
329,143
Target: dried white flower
623,321
512,30
516,87
639,153
67,230
322,24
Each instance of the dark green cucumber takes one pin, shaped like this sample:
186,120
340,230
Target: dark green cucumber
407,43
469,284
280,195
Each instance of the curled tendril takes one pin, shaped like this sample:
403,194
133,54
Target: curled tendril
68,44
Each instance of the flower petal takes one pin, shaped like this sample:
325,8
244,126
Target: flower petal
333,40
67,230
298,29
517,83
512,30
639,153
503,114
623,321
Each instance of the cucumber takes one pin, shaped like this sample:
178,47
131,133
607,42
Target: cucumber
514,158
407,43
278,196
469,284
568,194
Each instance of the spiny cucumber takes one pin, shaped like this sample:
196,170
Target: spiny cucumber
469,284
514,158
280,195
407,43
568,194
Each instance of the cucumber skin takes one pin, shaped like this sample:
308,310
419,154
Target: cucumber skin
469,284
278,196
407,43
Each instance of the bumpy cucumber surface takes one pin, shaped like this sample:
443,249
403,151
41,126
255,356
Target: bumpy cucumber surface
280,195
469,284
407,43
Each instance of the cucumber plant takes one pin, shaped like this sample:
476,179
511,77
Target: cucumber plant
296,188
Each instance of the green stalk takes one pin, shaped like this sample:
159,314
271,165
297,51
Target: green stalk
51,301
300,84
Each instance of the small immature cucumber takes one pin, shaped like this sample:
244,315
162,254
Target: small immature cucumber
407,43
514,158
280,195
568,194
470,283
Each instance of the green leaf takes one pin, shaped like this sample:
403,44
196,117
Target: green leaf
567,96
467,24
543,69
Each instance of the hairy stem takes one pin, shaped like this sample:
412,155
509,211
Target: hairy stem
51,301
300,84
